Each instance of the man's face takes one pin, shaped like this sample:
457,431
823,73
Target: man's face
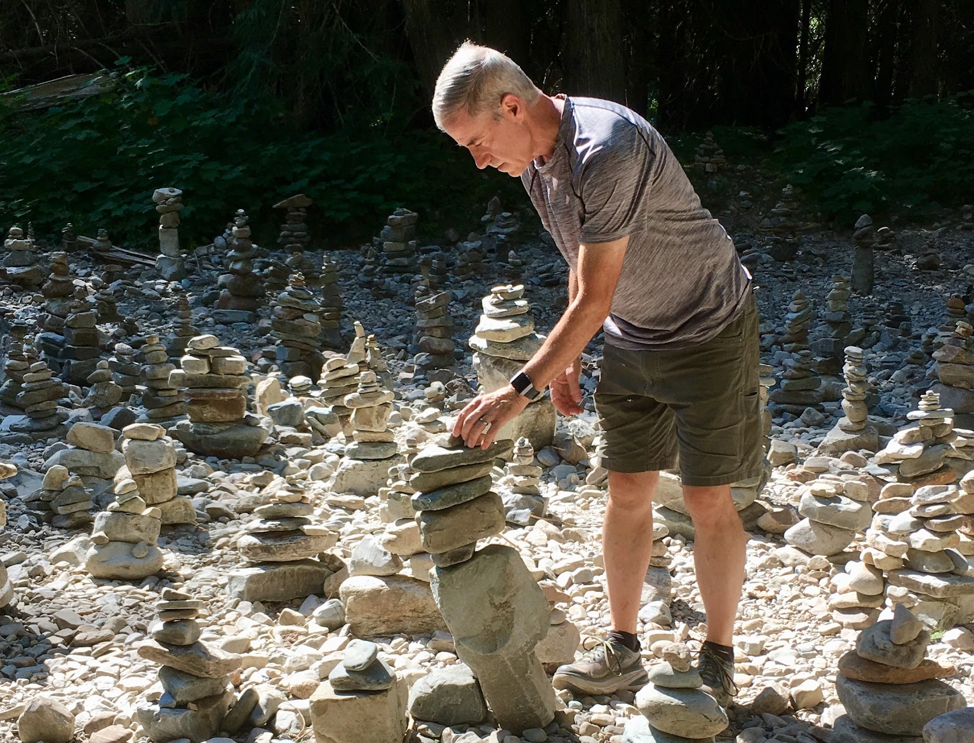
502,143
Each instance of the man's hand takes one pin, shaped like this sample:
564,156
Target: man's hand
566,394
479,422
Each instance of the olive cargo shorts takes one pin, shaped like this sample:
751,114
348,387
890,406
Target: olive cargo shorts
698,406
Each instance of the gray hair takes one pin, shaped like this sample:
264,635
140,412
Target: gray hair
475,79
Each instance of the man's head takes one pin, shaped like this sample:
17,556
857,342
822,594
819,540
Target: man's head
483,100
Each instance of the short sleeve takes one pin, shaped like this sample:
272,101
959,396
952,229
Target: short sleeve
614,177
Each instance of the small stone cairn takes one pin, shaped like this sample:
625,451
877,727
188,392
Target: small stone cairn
296,325
126,370
862,262
918,454
150,460
782,219
521,486
124,537
368,276
214,379
514,270
834,513
58,292
853,431
282,549
887,687
193,696
82,340
20,356
674,707
294,232
362,687
6,587
398,243
62,499
169,264
470,259
241,286
396,497
104,393
955,369
38,398
709,158
434,330
799,386
837,317
20,260
69,240
495,610
183,330
502,342
331,304
365,467
106,306
160,396
339,378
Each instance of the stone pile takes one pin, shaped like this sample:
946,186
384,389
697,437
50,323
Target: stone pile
213,379
296,325
674,707
69,240
106,305
58,292
82,341
160,396
20,259
889,690
38,398
834,512
398,242
6,587
862,262
169,264
62,500
799,385
104,393
514,270
126,370
918,454
150,461
339,378
837,317
495,610
853,431
365,466
183,330
782,219
521,486
283,548
433,337
397,495
470,260
709,158
368,277
193,696
241,287
376,362
798,319
362,687
955,369
20,356
294,232
331,304
124,537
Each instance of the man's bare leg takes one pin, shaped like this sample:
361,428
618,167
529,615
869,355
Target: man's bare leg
719,555
627,543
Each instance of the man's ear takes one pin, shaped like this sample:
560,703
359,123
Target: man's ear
511,103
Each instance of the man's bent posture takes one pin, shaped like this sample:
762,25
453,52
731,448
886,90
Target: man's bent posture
679,379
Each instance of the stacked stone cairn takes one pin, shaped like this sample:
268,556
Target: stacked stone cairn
20,260
362,687
296,325
183,330
331,304
368,276
502,342
103,243
955,370
282,548
434,330
160,397
522,486
470,259
104,393
339,378
456,508
709,158
58,292
918,454
241,286
674,707
862,262
38,398
82,340
169,264
398,243
799,386
65,498
853,431
126,370
193,696
834,512
106,306
514,270
6,587
150,461
214,380
396,497
69,240
124,537
377,363
837,317
889,690
294,232
365,467
20,356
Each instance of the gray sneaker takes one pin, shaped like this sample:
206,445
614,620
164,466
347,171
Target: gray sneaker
605,669
717,675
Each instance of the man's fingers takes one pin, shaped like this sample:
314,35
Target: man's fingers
574,389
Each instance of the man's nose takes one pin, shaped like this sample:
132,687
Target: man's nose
482,159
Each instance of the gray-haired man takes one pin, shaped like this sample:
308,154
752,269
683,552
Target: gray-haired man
679,377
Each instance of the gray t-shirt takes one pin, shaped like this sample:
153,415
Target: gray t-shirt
612,175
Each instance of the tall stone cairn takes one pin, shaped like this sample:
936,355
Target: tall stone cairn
20,356
862,262
82,340
183,329
709,157
433,336
241,286
331,304
106,305
124,537
126,370
6,587
853,431
338,379
955,369
169,202
837,315
38,398
58,292
294,232
150,460
296,325
20,260
194,677
398,242
396,496
495,610
365,466
889,690
160,397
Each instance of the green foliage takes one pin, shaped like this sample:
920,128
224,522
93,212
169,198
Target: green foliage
95,162
850,162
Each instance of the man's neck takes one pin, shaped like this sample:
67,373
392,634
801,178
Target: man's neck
547,113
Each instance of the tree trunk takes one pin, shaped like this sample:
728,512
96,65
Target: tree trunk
845,60
671,68
801,94
593,52
885,50
435,29
923,50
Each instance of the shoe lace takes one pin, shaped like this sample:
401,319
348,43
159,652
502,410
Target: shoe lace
606,650
714,671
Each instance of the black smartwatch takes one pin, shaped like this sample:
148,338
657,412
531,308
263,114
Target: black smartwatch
521,383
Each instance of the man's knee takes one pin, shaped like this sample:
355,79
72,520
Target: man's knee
709,506
632,490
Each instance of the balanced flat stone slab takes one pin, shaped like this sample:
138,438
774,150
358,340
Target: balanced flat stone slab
435,458
196,659
278,581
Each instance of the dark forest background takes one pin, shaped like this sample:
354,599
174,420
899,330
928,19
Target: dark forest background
862,103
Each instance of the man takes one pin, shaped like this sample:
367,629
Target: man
679,375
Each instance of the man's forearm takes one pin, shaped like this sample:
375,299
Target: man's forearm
566,341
